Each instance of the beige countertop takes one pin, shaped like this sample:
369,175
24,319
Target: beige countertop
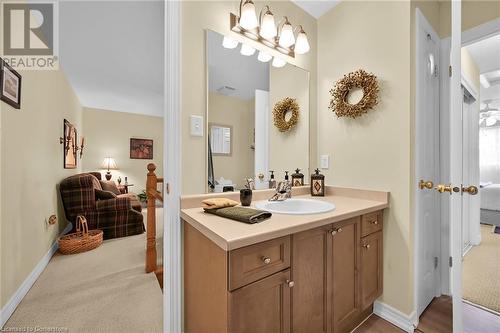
230,235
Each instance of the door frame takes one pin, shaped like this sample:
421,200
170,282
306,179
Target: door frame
172,236
421,23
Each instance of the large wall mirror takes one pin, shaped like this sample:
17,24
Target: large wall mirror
242,91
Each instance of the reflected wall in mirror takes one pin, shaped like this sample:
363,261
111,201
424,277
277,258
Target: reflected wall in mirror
242,140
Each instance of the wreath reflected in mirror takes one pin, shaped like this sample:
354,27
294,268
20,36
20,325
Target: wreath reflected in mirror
367,82
286,108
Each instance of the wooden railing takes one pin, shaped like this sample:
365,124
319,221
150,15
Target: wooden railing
152,195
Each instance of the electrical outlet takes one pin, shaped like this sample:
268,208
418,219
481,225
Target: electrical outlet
325,161
196,125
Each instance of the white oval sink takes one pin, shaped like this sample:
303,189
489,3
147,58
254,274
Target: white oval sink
296,206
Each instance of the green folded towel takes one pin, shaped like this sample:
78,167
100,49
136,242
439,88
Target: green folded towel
242,214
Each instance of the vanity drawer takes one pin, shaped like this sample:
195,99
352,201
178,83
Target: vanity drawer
254,262
371,223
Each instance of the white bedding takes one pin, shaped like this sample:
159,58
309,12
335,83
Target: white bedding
490,197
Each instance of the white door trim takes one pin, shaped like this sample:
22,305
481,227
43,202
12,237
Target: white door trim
172,237
481,32
421,24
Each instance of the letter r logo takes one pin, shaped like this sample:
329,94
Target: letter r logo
28,29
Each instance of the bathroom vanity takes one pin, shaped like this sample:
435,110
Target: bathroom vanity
291,273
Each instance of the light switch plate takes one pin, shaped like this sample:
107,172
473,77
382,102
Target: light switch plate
325,161
196,125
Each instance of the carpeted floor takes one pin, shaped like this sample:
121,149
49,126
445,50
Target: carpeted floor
104,290
481,270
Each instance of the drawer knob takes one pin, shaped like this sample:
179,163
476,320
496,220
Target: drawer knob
335,231
366,246
375,222
266,260
290,283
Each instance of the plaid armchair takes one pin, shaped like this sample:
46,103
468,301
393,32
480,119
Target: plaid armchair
116,217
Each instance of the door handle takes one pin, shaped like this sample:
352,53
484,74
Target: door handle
425,184
472,190
441,188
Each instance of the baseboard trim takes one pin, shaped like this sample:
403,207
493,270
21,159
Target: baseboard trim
21,292
407,323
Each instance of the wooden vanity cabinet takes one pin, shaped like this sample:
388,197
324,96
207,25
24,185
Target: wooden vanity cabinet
322,280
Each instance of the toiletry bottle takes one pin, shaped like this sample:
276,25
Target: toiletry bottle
317,184
272,181
297,178
286,175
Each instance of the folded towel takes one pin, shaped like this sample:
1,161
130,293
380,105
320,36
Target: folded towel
218,203
242,214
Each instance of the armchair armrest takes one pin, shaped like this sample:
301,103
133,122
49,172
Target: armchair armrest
116,204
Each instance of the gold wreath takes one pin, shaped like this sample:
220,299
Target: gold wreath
357,79
281,109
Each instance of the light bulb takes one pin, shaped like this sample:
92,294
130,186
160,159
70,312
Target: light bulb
264,57
287,38
278,62
247,50
248,19
302,44
268,28
229,43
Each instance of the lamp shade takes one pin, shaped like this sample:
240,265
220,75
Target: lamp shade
229,43
264,57
248,19
268,27
247,50
287,38
302,44
109,164
278,62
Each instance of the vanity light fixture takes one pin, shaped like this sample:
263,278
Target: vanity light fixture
264,57
287,38
264,30
278,62
248,19
229,43
302,44
247,50
267,26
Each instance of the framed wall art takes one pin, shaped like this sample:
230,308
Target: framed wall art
141,149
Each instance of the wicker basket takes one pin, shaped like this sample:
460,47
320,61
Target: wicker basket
82,240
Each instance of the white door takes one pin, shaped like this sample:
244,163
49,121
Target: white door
466,222
427,163
455,158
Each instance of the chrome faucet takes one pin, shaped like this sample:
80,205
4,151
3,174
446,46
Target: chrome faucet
283,191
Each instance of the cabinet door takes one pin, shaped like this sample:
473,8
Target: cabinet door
262,306
371,268
344,273
310,257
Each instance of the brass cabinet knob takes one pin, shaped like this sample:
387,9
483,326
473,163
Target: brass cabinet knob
441,188
266,260
425,184
472,190
335,231
366,246
374,222
290,283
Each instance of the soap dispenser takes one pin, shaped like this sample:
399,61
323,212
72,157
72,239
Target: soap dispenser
272,181
286,175
297,178
317,184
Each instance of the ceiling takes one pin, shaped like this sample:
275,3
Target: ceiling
228,68
112,53
316,8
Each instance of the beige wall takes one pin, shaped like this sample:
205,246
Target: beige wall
32,166
474,13
108,133
196,17
289,150
470,69
240,115
372,151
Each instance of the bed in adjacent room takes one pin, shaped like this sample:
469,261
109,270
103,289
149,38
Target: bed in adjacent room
490,203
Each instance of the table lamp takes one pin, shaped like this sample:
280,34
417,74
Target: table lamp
109,164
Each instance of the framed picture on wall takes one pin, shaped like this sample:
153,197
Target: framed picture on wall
10,85
141,149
